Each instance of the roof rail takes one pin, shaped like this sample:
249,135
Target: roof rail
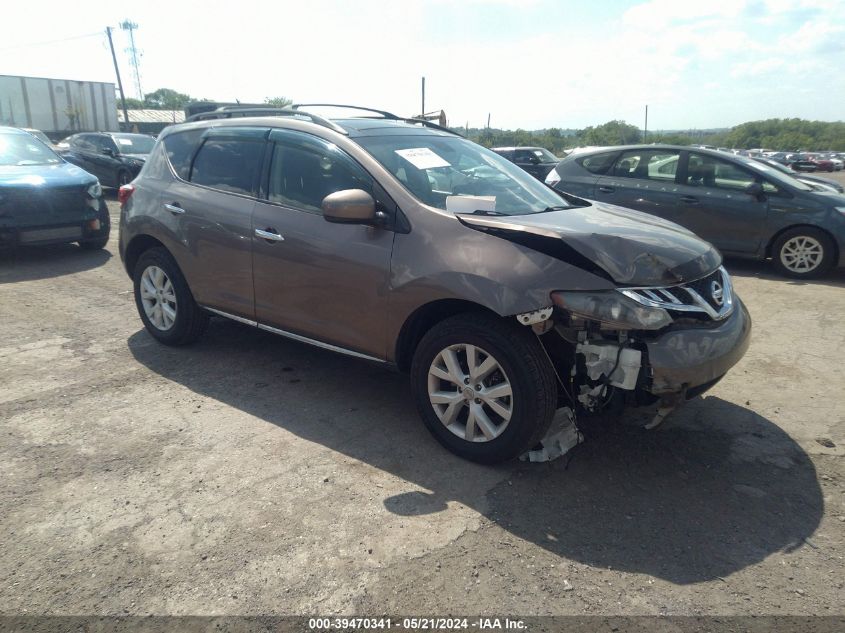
236,112
382,113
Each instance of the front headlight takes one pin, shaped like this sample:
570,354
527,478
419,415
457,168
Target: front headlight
95,190
613,310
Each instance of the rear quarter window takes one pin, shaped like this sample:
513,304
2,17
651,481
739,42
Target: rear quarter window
180,148
597,163
228,164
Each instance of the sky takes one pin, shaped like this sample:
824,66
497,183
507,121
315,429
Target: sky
527,63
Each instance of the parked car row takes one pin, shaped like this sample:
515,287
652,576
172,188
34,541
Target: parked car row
397,241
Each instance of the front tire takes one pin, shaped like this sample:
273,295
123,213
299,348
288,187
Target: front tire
484,387
164,301
803,253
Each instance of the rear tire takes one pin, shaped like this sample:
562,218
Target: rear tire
803,253
484,387
164,300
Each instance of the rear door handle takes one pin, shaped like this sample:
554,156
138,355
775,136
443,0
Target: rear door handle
604,189
269,234
689,199
174,209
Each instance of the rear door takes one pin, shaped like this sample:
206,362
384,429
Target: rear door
82,151
643,179
326,282
715,205
211,204
578,174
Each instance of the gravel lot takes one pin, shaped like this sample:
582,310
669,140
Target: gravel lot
249,474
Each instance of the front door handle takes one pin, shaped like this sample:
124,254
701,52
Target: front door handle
269,234
174,209
689,199
605,189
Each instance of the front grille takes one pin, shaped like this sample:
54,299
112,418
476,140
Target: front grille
710,296
53,204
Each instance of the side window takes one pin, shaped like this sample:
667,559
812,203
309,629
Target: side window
228,164
180,148
709,171
82,141
597,163
649,164
101,143
523,155
303,173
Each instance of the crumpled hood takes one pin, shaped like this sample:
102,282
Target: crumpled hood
59,175
633,248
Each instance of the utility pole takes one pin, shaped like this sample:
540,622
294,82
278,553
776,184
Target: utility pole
119,83
130,26
488,120
645,130
422,112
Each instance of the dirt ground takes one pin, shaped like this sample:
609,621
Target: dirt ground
249,474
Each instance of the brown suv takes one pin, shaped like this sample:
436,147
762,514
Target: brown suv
400,242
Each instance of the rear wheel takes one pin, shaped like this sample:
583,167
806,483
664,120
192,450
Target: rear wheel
484,387
164,300
803,253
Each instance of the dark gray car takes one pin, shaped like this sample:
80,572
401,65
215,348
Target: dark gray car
401,243
537,161
114,158
743,207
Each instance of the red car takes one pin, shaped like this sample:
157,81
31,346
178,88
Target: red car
822,164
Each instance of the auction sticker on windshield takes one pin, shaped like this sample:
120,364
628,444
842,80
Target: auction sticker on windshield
422,158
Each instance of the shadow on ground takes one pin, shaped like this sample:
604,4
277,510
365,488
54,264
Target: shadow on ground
29,263
765,270
716,489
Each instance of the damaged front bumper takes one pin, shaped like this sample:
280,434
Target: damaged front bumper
691,359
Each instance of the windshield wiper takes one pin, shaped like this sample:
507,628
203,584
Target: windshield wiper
559,207
487,212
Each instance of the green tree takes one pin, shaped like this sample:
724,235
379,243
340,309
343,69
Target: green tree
134,104
278,102
166,99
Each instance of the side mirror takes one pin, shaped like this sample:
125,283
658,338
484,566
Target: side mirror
755,189
350,206
535,160
108,151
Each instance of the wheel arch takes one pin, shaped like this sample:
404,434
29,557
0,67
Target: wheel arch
771,244
136,247
422,320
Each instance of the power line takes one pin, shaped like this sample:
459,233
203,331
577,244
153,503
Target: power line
64,39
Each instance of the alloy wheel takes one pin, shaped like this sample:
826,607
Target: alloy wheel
801,254
158,298
470,392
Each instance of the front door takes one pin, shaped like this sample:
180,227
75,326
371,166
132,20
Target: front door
716,206
326,282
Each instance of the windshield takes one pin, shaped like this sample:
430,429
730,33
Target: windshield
134,143
24,149
457,175
778,177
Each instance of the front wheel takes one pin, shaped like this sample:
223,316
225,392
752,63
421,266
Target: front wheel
803,253
484,387
164,300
